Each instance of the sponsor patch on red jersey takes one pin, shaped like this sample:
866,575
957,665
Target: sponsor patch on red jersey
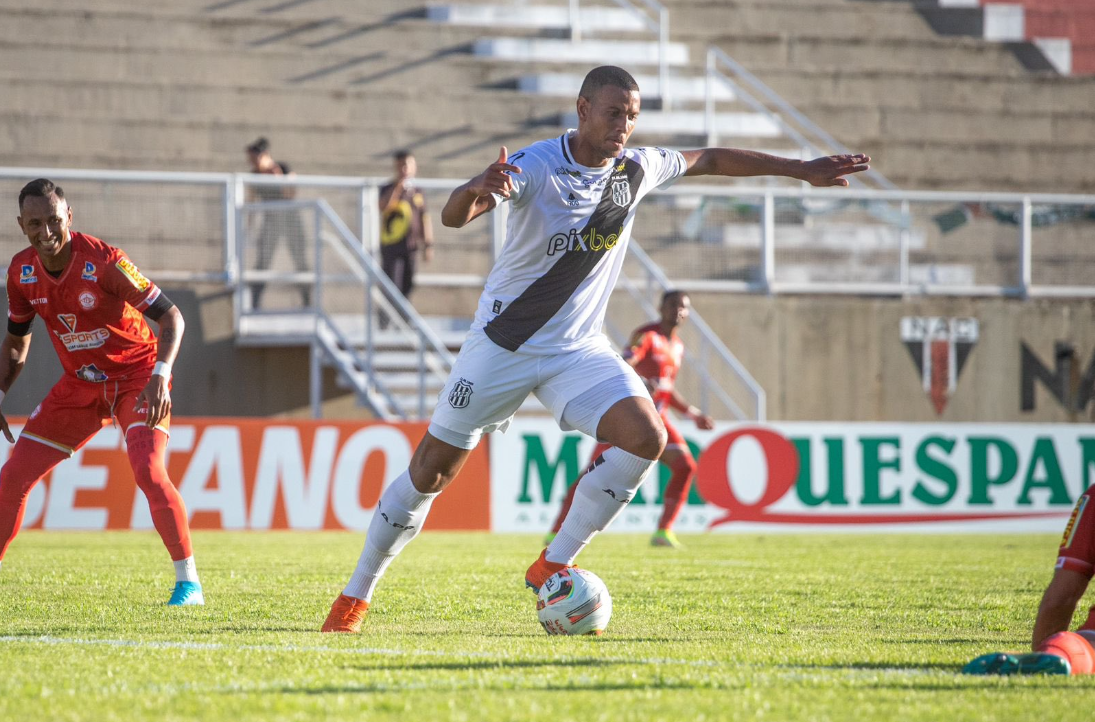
1074,522
134,274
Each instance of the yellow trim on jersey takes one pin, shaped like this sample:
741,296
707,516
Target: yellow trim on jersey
1074,522
52,444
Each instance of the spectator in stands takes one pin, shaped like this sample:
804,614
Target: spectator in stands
405,228
276,224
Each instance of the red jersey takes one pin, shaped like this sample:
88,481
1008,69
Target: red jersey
659,359
93,310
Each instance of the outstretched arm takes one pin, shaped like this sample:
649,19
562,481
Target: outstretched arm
13,355
157,394
475,197
825,171
1058,604
702,420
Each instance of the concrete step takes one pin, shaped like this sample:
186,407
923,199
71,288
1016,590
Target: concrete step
862,53
592,19
274,108
134,29
691,88
840,20
692,123
623,52
953,89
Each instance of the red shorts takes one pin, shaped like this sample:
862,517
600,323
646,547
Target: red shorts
1077,551
75,410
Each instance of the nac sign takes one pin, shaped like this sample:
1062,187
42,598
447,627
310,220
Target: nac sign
253,474
816,476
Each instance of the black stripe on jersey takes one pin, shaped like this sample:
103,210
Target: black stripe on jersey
563,144
527,314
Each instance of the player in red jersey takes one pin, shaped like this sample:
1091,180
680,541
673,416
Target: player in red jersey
93,301
1051,640
655,352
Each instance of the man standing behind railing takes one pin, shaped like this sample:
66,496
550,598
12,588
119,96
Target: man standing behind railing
404,226
538,325
276,223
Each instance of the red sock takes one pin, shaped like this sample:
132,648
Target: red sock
146,449
676,491
601,448
29,462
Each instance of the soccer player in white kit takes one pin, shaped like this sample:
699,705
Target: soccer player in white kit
538,326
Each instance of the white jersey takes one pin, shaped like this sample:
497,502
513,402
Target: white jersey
566,238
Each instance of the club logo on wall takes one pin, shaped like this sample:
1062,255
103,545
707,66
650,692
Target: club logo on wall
939,347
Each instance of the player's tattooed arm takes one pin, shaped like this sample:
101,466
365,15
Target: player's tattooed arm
156,394
476,197
13,356
825,171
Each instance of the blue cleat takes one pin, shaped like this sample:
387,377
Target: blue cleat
1007,664
187,594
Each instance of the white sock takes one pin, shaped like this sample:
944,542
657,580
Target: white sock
399,516
186,570
600,497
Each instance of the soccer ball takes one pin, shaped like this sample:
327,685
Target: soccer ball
574,601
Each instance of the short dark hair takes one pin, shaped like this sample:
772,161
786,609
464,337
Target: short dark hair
258,146
607,75
40,188
673,293
402,154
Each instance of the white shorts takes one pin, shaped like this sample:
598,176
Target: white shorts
488,384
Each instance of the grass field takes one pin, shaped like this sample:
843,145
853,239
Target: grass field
734,628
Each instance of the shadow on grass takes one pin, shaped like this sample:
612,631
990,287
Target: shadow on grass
883,666
501,686
488,664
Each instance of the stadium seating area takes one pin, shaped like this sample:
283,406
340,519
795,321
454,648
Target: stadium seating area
337,84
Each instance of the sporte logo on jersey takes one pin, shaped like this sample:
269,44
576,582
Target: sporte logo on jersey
133,274
26,275
591,240
89,272
80,340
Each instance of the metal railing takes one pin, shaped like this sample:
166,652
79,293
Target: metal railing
349,292
651,14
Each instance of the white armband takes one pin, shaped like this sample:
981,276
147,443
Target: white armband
162,368
693,413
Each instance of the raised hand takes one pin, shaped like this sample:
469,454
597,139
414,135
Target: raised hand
830,170
496,178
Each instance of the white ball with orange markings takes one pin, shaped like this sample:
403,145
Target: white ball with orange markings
574,601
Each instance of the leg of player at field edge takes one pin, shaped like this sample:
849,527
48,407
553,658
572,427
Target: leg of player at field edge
683,468
399,516
597,452
637,434
146,449
29,462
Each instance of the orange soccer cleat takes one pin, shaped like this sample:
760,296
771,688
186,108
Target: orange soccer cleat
346,615
541,570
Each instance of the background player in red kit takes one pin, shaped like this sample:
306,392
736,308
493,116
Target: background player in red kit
655,352
93,301
1051,640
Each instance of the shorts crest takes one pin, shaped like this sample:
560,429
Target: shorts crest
460,395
